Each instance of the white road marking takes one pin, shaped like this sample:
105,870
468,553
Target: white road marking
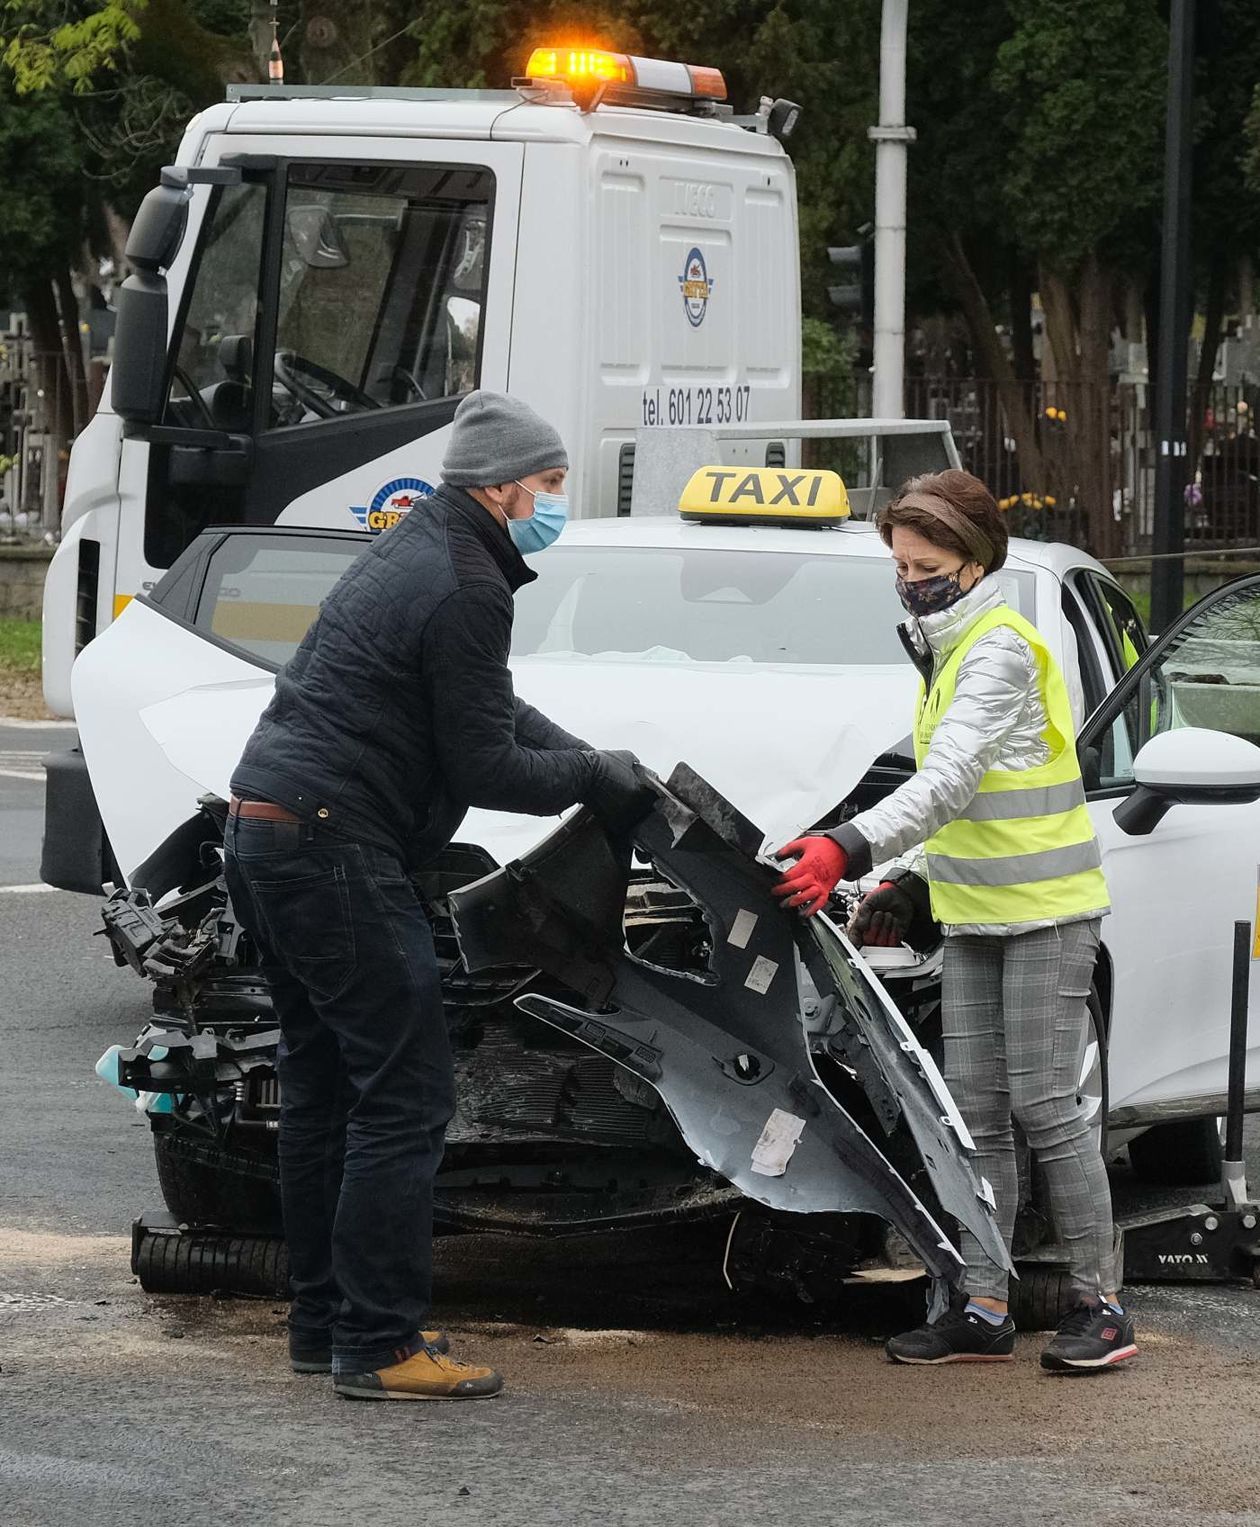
21,765
25,890
21,722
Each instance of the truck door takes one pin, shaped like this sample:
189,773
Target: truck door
334,312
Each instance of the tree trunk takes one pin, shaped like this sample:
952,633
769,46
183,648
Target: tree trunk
1020,290
1094,434
72,348
50,386
1080,336
994,360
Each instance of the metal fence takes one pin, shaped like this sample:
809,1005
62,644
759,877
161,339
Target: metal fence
36,432
1069,462
1074,462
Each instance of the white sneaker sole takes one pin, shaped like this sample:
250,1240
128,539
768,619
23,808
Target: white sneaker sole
954,1357
400,1394
1090,1364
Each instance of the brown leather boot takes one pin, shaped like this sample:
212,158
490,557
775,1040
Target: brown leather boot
425,1375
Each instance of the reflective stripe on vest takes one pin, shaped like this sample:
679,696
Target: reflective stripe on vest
1024,849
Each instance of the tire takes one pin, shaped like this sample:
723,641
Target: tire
1181,1155
1040,1298
209,1262
204,1184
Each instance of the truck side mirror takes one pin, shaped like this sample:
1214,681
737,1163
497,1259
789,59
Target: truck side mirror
1190,766
139,371
138,377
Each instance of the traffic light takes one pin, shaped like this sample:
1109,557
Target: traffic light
857,294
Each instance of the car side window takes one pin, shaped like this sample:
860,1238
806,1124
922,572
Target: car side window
213,367
1093,682
382,287
1118,621
1207,675
262,592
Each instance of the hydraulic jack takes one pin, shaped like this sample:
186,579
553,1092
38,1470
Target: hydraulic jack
1218,1242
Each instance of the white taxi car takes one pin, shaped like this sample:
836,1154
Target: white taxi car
762,650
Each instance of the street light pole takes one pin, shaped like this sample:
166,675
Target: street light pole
1168,541
891,138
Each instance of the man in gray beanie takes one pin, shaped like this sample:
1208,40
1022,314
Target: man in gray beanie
395,715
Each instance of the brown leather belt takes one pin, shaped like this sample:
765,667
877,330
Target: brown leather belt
263,811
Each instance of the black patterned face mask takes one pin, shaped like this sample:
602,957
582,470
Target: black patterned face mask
929,595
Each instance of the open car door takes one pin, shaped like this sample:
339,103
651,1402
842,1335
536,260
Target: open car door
168,694
1171,761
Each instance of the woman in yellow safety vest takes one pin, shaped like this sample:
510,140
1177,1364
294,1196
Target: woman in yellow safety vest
1007,861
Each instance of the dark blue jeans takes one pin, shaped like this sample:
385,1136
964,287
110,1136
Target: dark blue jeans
366,1080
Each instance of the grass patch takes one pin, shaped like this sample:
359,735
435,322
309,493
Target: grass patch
19,646
1142,602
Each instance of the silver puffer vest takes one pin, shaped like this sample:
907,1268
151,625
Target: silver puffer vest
996,721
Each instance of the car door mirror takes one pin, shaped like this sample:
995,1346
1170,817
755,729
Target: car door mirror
1190,766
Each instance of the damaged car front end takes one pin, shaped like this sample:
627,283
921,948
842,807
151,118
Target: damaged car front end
642,1036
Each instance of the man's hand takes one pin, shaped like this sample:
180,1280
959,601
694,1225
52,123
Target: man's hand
820,864
883,919
616,794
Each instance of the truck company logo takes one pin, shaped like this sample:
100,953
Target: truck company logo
696,286
390,503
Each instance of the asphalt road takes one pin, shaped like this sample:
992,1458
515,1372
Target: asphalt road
638,1391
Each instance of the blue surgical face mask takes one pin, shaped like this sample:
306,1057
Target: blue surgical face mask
535,534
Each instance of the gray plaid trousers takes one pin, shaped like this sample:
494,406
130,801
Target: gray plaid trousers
1014,1013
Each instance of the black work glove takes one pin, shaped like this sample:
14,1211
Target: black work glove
616,794
889,914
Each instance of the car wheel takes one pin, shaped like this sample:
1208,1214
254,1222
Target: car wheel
203,1183
1040,1298
210,1261
1183,1154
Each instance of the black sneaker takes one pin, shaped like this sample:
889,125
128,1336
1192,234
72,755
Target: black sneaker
309,1354
955,1337
1091,1336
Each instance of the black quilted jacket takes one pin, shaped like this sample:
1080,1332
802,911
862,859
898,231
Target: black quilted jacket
396,714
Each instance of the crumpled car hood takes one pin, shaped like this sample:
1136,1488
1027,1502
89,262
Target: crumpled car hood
163,721
784,745
730,1051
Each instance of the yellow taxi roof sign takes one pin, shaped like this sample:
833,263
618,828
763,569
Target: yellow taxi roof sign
764,495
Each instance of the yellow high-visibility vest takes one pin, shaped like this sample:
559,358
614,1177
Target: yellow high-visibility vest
1024,850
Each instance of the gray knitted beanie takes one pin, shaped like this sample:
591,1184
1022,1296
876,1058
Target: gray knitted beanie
496,439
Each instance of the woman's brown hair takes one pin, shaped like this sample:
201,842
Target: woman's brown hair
953,510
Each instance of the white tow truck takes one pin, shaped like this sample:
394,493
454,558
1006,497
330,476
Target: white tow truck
324,272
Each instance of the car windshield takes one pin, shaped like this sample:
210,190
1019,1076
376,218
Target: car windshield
713,605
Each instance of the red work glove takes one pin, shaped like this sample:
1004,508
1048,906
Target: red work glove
820,863
883,917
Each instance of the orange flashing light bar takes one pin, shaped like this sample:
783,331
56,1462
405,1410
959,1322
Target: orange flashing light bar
580,64
584,68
